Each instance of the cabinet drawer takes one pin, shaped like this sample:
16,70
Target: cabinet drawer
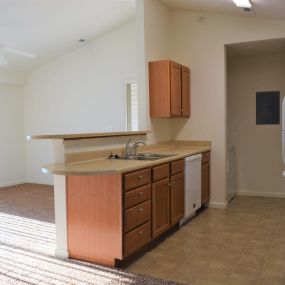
206,157
137,179
137,215
137,238
177,166
134,197
160,172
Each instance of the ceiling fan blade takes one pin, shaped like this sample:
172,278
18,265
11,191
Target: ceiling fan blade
3,60
19,52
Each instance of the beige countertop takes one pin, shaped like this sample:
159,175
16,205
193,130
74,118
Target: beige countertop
104,165
88,135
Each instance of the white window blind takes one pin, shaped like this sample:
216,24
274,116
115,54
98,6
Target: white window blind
132,106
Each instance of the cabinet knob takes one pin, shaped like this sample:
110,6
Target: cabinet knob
140,209
140,193
140,177
140,232
173,182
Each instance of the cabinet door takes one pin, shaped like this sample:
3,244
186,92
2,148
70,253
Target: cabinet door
175,87
159,89
177,198
205,194
185,74
160,207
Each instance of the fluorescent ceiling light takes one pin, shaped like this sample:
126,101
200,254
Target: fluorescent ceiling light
242,3
3,60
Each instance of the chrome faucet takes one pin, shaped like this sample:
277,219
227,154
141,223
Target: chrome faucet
132,150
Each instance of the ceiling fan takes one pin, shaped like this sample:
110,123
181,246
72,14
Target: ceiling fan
3,60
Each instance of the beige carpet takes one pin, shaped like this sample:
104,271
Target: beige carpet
27,244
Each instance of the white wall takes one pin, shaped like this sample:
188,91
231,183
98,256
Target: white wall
258,147
153,29
82,91
12,77
12,152
199,43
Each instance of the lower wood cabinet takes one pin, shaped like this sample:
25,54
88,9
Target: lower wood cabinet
205,191
168,198
94,218
137,238
112,216
177,197
160,207
137,215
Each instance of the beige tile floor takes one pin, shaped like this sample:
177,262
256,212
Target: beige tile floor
242,245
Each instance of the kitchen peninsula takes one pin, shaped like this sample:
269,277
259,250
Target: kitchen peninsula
108,209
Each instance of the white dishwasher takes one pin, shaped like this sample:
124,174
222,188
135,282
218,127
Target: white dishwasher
192,183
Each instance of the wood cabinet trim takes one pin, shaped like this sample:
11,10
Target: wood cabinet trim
185,92
137,179
177,197
206,179
160,207
136,216
206,156
177,166
160,172
137,238
175,89
137,196
159,88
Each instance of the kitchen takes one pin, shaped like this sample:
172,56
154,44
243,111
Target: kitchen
159,31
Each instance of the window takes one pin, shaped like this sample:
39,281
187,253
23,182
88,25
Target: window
132,106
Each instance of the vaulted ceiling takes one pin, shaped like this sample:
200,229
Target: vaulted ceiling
51,28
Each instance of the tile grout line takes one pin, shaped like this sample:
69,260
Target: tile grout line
237,263
270,249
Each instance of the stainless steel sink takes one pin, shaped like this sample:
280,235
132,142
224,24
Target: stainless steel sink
147,156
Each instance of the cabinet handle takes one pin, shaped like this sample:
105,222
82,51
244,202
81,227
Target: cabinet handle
140,232
140,193
140,209
140,177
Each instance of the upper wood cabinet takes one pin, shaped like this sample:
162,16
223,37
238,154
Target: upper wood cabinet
169,89
175,89
185,91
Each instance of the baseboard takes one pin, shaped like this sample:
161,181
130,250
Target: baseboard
12,183
18,182
186,219
35,181
218,205
260,194
61,253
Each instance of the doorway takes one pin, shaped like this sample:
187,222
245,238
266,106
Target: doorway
255,74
